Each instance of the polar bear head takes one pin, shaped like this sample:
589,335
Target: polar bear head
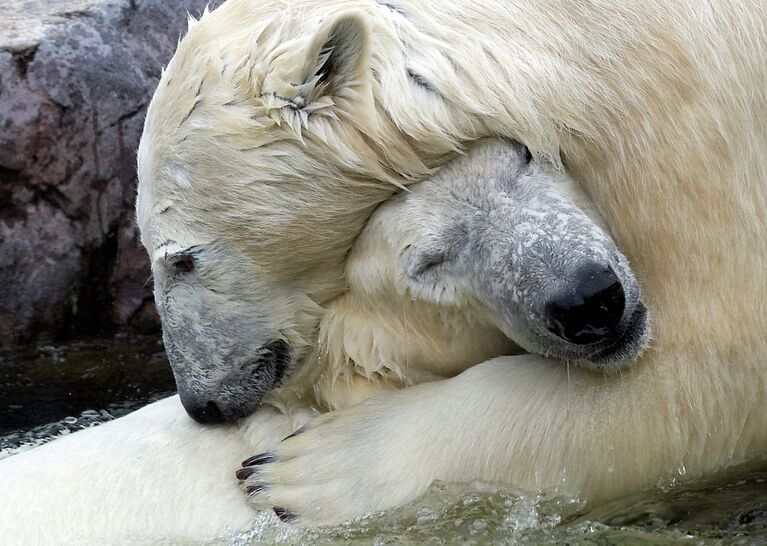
512,243
260,161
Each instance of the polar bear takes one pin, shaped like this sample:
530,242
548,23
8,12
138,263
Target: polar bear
123,482
289,122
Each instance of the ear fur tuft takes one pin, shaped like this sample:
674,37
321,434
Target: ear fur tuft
333,67
341,54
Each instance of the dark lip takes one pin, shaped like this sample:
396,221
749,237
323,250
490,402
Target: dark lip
281,359
634,330
276,357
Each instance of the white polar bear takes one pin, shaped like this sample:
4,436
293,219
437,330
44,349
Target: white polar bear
279,126
125,481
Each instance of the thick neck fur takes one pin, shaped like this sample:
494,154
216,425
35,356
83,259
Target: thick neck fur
368,343
634,142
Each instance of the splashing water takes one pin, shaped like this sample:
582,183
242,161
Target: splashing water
104,380
729,507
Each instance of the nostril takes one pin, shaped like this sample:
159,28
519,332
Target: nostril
212,410
590,308
209,413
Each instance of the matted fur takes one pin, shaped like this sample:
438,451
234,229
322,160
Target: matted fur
658,109
125,482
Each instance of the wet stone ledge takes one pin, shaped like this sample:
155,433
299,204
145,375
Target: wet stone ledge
75,79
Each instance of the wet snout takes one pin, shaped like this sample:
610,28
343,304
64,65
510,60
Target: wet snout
208,413
210,396
589,307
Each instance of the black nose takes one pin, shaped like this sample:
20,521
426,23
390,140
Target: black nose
206,414
590,308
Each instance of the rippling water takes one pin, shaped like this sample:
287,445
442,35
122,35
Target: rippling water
727,508
50,391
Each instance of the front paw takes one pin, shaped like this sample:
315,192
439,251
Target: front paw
339,467
254,485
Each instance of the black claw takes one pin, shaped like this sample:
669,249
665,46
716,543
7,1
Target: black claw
261,458
296,433
251,489
244,472
285,515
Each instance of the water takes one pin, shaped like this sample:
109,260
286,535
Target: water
50,391
729,508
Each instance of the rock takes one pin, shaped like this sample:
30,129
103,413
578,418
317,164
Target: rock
75,79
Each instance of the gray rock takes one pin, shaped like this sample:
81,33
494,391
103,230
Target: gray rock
75,79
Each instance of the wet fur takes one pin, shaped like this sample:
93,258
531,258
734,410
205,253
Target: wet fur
658,110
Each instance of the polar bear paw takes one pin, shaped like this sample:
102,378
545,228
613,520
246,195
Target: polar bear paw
341,466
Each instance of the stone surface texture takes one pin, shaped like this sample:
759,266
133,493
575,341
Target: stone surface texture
75,79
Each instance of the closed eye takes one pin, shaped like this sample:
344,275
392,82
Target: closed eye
184,264
427,263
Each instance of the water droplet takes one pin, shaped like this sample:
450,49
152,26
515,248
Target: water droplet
478,526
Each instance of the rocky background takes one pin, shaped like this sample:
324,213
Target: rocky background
75,79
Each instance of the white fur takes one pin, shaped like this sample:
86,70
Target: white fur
156,475
127,481
659,111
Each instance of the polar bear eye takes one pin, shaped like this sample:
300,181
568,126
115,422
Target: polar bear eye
427,263
184,264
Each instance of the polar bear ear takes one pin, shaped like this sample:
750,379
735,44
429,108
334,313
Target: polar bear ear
327,71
